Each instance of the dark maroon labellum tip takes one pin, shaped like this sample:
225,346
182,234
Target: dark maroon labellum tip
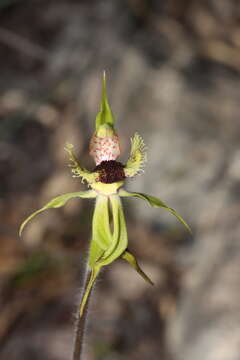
110,171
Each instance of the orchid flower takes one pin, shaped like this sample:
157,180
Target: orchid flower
109,241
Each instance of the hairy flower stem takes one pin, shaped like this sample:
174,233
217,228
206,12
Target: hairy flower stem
81,322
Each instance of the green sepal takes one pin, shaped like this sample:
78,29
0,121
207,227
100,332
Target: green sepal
137,157
105,116
101,232
119,241
106,245
130,258
155,202
58,202
77,169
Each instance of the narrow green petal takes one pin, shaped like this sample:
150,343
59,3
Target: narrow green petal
137,157
133,262
58,202
155,202
77,169
105,115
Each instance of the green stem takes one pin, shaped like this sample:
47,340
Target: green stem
81,322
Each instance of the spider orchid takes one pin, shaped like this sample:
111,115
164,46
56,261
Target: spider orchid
106,186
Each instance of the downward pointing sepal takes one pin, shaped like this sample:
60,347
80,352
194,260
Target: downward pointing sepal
130,258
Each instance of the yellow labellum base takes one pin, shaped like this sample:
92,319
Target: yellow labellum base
107,189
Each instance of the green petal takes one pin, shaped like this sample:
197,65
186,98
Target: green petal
105,115
137,157
133,262
58,202
155,202
77,169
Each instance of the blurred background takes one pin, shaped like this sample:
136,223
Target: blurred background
173,70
